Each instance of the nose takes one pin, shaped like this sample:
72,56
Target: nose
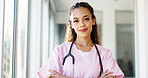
81,23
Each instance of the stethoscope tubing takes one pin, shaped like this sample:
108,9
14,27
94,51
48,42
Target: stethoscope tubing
69,54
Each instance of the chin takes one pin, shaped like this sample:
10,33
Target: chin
83,35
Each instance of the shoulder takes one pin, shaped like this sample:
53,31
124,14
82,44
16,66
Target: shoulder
63,45
62,48
104,51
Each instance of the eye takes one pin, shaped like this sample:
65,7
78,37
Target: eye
86,19
75,21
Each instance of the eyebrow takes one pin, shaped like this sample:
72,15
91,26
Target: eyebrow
86,16
83,16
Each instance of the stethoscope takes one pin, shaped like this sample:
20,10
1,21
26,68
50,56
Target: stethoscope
69,54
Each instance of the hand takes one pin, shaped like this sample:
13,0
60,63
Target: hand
56,75
106,74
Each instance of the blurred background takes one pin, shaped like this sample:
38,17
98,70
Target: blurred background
30,29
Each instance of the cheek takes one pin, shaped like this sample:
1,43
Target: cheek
76,28
90,28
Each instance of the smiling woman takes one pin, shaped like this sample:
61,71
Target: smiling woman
29,29
81,39
82,22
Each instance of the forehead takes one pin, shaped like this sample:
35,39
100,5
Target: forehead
80,12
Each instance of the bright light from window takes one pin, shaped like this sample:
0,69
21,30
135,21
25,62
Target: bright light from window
22,38
8,38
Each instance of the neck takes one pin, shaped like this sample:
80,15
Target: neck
84,41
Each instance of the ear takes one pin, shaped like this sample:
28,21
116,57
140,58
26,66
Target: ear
94,21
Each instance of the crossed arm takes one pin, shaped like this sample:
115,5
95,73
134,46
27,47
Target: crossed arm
57,75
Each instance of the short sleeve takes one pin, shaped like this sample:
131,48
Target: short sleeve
110,63
53,63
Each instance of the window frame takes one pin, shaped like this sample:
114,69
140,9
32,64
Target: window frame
2,35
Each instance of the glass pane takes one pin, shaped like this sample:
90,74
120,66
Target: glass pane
1,32
100,31
61,32
22,38
8,38
125,42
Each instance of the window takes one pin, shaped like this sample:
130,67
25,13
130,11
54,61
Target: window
1,31
8,38
21,49
125,42
14,38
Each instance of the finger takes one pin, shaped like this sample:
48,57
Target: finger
106,73
109,76
106,70
52,75
52,71
109,73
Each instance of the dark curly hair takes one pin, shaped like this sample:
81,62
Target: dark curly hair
70,34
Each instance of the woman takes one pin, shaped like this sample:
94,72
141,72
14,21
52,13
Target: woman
82,41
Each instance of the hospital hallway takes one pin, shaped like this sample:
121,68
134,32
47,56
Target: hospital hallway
31,29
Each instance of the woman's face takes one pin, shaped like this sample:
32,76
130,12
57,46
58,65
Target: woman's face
82,21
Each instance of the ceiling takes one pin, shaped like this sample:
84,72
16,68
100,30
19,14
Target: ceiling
64,5
61,8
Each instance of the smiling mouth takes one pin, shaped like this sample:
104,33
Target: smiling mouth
83,30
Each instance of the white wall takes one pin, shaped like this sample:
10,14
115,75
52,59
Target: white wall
34,38
146,29
51,34
62,17
108,30
39,35
44,31
61,5
141,38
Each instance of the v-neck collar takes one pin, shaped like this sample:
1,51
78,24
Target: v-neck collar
78,54
78,49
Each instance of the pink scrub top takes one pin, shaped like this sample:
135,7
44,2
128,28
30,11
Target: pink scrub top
88,67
